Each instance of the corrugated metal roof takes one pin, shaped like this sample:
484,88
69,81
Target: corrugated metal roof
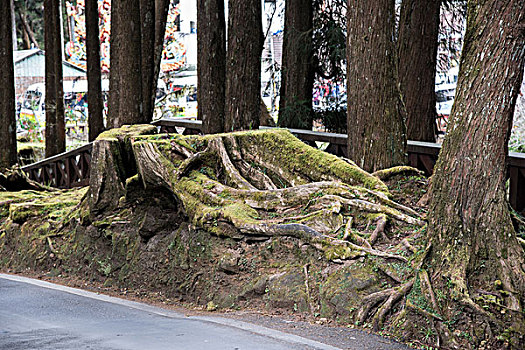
23,54
31,63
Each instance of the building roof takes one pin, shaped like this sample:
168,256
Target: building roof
21,55
31,63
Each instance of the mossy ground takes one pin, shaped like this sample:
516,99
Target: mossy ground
182,263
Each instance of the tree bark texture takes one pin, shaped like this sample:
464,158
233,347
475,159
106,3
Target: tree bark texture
297,74
475,249
161,17
114,74
147,32
211,64
137,42
376,130
7,90
230,184
153,14
417,52
94,75
13,25
55,116
29,36
243,70
130,95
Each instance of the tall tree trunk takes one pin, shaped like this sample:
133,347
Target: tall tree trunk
13,25
417,52
136,43
28,32
243,65
94,75
25,39
129,53
7,90
376,130
114,71
161,17
297,75
211,64
475,251
147,31
55,118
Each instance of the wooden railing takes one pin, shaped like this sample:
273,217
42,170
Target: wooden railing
65,170
71,169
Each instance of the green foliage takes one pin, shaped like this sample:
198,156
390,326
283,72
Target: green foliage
333,118
329,38
33,10
297,113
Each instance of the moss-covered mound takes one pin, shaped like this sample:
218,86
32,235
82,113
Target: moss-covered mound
251,219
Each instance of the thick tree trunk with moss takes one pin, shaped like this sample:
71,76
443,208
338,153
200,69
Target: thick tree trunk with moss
297,75
417,52
249,184
476,261
113,163
7,90
55,115
95,103
211,67
243,65
376,130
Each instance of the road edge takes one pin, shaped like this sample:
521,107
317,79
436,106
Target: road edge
242,325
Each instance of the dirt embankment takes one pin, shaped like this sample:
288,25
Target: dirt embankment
143,234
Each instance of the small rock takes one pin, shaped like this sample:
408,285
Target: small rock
322,320
211,306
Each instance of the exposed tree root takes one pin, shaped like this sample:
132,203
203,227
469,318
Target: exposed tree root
257,177
373,252
423,275
423,312
262,184
391,295
241,192
388,274
407,245
385,300
233,175
183,151
522,242
51,247
385,174
14,179
351,235
192,162
379,230
394,297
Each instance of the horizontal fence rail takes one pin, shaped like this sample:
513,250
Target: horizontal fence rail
71,169
65,170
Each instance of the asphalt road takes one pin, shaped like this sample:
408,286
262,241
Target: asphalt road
40,315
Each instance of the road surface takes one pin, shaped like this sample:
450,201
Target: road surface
40,315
